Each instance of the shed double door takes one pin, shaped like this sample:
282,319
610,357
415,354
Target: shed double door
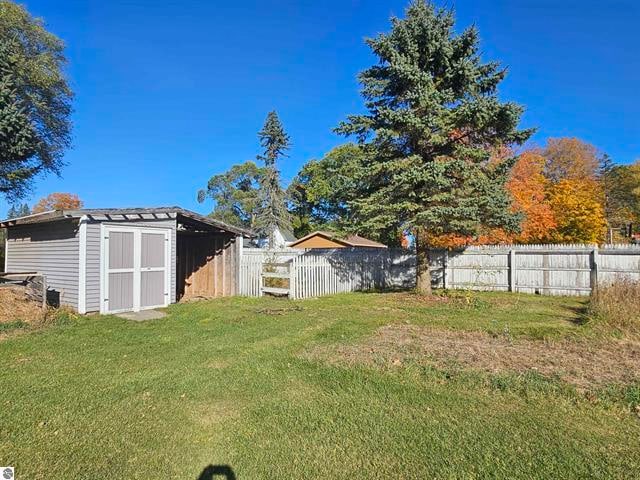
136,269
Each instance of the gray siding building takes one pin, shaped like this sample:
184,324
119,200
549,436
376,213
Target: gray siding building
114,260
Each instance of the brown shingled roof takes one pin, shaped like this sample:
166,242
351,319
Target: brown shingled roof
358,241
349,241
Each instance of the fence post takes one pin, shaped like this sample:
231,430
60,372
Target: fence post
445,265
293,272
512,270
593,265
239,254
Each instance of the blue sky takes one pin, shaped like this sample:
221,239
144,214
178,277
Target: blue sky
171,92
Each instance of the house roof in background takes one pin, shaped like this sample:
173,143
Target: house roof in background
118,214
358,241
349,241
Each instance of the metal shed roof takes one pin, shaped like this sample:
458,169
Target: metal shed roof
120,214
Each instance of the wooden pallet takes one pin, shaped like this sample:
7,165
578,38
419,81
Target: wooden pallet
280,291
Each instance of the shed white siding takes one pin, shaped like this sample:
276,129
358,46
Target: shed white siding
93,257
51,249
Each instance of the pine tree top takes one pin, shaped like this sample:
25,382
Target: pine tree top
273,139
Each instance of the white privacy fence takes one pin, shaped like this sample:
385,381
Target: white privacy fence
543,269
318,272
348,270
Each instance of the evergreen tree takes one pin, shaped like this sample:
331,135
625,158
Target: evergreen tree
35,101
606,165
434,119
21,210
24,210
16,132
12,213
272,210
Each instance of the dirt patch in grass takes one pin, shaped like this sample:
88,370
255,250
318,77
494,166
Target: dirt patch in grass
405,298
279,310
583,363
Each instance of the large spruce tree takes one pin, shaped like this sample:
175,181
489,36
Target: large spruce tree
434,119
35,101
272,210
17,136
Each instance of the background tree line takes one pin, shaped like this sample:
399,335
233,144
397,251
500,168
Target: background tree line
565,192
435,159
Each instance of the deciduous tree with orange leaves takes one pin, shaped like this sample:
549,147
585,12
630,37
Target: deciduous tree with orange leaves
58,201
527,186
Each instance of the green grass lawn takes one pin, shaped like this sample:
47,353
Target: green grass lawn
226,382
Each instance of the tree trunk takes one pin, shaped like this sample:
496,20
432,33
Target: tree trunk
423,268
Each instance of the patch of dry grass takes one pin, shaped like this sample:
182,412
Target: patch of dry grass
580,362
19,312
15,304
618,305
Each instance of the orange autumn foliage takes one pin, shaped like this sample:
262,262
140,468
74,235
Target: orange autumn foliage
556,189
58,201
527,186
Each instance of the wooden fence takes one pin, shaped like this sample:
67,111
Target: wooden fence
320,272
252,264
542,269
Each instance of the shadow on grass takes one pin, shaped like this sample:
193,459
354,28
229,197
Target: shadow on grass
212,471
579,314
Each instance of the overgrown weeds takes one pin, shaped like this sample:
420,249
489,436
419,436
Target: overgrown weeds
617,305
19,312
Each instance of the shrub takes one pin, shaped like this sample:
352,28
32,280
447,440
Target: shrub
618,305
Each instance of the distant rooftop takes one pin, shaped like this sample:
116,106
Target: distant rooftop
349,241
